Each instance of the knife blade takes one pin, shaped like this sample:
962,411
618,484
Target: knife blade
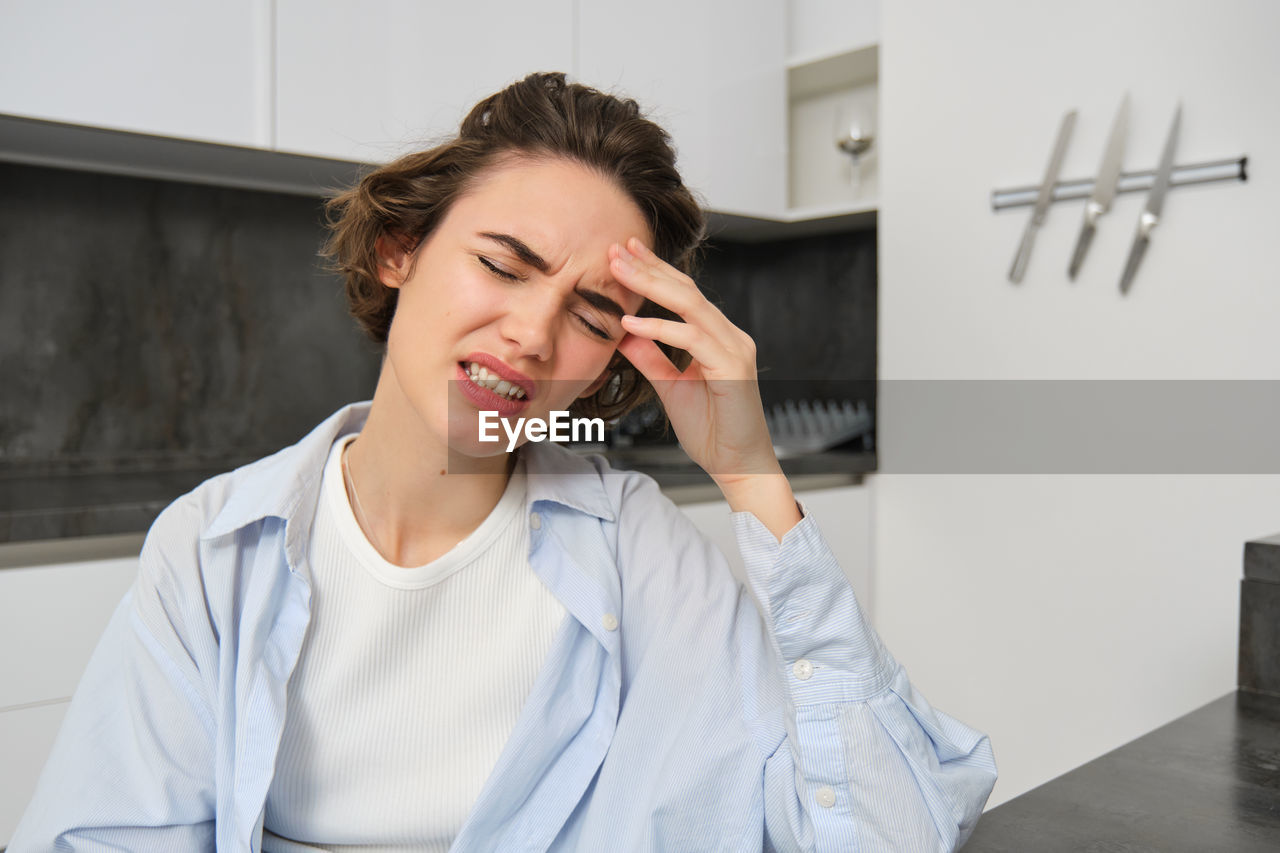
1150,217
1104,187
1043,199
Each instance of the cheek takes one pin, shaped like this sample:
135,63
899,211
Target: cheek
467,306
590,358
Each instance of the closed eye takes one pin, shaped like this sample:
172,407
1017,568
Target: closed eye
507,275
497,270
593,329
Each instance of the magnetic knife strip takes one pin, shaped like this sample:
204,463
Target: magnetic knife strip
1101,191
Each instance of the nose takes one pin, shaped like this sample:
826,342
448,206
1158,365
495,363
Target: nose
530,323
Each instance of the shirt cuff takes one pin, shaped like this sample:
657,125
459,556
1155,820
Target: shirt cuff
830,651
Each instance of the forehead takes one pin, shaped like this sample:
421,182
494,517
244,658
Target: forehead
558,206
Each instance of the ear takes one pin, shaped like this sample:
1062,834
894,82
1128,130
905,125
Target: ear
394,259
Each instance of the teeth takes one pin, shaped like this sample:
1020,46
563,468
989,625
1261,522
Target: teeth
482,377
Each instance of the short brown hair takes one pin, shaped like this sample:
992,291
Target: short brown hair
540,116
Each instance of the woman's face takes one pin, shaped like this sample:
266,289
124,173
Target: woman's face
514,279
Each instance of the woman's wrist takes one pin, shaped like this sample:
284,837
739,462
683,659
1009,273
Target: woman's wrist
766,496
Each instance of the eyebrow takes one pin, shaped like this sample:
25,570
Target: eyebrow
598,300
527,255
521,248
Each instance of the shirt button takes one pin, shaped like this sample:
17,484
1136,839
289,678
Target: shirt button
535,520
825,797
610,622
803,669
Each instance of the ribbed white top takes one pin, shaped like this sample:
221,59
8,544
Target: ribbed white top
409,683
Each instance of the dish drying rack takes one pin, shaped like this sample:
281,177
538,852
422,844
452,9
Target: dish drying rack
811,426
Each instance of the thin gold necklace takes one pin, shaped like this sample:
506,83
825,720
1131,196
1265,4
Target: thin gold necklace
361,518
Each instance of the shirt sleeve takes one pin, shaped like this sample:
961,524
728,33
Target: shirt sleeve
867,763
132,766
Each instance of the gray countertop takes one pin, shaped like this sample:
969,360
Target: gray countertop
1208,781
47,519
684,482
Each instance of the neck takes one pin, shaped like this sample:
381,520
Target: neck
418,498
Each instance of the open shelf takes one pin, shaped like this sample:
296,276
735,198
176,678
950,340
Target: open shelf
824,92
810,75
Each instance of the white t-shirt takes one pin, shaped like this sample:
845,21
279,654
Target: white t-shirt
410,681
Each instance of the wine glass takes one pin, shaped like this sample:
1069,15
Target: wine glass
853,137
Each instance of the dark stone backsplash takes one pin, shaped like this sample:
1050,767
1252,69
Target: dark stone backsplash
152,324
153,333
810,305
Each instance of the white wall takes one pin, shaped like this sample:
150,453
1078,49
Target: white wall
1066,615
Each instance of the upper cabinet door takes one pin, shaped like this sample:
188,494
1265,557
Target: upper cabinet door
819,28
372,80
713,74
189,70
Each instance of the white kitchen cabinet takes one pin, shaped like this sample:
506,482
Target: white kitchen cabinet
842,513
188,70
817,28
370,81
713,74
50,620
26,737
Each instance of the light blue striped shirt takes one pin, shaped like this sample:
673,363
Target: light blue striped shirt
669,716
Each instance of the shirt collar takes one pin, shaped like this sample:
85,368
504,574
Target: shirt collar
559,475
288,482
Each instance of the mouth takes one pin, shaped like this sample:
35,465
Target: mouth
491,381
492,385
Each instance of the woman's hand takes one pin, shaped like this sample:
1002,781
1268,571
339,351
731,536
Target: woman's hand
713,404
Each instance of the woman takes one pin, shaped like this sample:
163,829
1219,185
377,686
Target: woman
396,636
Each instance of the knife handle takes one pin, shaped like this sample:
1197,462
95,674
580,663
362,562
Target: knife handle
1136,251
1024,252
1082,246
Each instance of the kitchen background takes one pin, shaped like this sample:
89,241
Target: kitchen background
1062,614
165,332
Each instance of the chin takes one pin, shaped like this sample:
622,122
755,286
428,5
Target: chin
470,448
464,439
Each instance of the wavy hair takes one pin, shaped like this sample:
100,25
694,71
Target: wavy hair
542,115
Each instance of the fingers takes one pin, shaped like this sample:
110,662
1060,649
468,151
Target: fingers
709,336
686,336
643,272
645,356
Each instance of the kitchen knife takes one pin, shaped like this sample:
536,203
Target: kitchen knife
1155,203
1104,188
1042,200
